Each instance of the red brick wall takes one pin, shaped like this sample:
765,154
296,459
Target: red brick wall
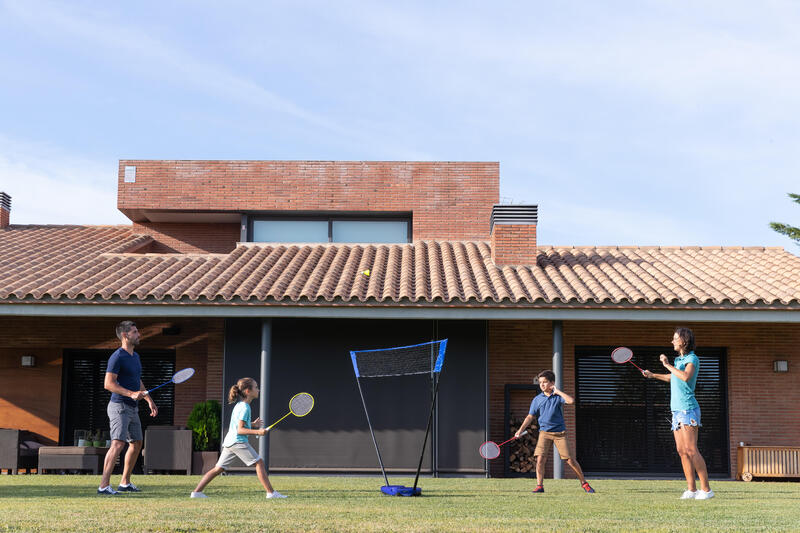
449,200
30,398
189,238
5,218
763,406
514,244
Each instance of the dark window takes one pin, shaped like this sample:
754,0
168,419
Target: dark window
623,420
85,400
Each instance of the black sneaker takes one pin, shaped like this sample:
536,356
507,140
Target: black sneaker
108,491
128,488
539,488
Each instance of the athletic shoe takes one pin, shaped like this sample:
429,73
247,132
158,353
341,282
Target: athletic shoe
128,488
689,495
703,495
275,494
198,495
108,491
539,488
587,487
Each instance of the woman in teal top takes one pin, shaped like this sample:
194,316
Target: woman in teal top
682,378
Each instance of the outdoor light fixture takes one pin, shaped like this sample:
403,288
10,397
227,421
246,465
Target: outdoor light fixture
780,366
28,361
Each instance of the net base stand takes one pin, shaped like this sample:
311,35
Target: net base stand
400,490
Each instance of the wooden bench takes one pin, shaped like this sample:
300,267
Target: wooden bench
767,461
71,458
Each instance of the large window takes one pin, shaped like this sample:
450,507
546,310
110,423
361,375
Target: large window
330,229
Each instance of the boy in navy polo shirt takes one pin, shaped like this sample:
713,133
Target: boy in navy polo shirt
548,408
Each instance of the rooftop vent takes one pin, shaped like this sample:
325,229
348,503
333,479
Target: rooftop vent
5,201
514,214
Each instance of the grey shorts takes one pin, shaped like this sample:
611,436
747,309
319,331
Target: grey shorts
242,450
124,422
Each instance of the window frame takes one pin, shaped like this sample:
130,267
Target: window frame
250,218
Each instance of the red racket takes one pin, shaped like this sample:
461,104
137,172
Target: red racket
623,355
491,450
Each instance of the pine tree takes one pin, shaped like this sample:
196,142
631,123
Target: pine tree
785,229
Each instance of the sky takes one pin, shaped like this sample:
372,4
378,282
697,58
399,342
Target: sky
671,123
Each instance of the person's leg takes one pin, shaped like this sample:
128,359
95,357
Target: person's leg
686,461
109,461
134,448
543,444
577,468
261,471
689,434
211,474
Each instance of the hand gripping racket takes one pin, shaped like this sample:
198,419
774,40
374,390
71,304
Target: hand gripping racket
179,377
491,450
623,355
300,405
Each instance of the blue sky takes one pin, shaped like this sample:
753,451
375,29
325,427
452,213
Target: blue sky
629,123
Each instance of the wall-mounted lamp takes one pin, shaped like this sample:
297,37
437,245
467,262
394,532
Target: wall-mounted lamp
28,360
780,366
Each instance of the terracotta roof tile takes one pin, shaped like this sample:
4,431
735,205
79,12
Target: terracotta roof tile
68,263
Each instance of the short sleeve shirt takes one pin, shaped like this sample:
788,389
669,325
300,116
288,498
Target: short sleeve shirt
128,368
682,392
241,411
549,412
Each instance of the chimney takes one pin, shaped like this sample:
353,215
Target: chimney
514,234
5,210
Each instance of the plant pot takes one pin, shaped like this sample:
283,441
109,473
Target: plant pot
202,462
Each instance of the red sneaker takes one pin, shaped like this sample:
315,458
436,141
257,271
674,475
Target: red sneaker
539,488
587,487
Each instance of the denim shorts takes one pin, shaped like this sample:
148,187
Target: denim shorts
687,418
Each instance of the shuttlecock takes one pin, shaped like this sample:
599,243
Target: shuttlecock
366,272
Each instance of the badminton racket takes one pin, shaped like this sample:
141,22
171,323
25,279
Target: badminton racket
300,405
623,355
491,450
178,377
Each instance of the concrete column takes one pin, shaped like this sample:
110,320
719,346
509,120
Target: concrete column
558,369
264,384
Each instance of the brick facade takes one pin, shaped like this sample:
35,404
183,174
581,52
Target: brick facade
449,200
189,238
514,244
30,398
763,406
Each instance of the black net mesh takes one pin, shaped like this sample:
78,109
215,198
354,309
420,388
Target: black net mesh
425,358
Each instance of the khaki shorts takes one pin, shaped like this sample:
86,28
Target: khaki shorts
241,450
559,439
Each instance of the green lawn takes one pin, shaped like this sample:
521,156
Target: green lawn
316,503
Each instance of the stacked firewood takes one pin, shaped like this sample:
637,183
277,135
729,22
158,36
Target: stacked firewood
521,457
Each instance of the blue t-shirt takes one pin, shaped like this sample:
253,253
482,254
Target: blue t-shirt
241,411
128,368
682,392
549,411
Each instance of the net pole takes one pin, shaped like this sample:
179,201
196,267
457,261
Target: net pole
371,432
427,430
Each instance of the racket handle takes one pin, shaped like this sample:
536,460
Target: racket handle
523,433
154,388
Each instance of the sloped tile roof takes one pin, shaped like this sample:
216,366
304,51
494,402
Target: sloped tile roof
95,263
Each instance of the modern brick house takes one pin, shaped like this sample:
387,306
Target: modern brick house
226,259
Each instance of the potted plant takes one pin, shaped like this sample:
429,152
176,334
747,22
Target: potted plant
205,421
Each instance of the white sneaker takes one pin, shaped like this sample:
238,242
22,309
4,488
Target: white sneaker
703,495
198,495
275,494
689,495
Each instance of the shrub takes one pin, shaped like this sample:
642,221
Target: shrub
205,422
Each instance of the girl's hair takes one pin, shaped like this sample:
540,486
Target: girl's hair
237,391
686,335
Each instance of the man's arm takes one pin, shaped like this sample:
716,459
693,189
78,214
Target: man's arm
150,402
111,385
569,400
525,423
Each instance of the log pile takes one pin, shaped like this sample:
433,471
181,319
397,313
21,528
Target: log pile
521,458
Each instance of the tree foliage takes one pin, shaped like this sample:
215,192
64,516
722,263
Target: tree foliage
205,422
785,229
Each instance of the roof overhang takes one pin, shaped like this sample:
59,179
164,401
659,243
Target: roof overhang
399,312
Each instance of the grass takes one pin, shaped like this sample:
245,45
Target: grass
317,503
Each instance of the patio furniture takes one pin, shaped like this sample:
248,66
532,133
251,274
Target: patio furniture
167,448
767,461
68,458
17,451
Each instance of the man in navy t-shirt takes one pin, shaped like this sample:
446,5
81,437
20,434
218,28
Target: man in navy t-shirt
124,381
548,408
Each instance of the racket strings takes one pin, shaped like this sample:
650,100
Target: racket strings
182,375
490,450
301,404
622,355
